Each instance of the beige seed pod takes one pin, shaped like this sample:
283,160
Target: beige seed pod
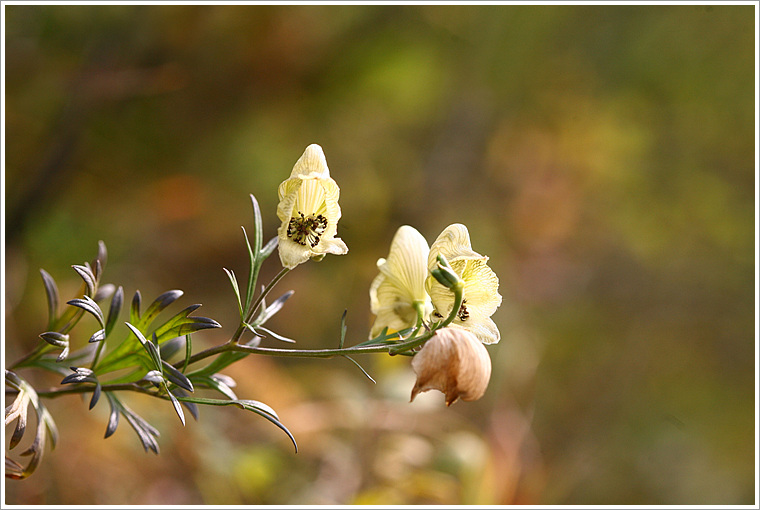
453,362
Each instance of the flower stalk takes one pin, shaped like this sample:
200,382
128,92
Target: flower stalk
432,303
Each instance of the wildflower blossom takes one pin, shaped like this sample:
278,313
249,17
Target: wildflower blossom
481,285
397,294
309,211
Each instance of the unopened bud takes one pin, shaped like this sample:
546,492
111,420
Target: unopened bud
453,362
445,275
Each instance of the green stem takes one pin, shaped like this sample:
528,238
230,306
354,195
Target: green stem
458,298
38,351
241,328
57,392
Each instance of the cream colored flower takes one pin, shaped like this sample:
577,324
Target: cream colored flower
453,362
399,290
481,285
309,211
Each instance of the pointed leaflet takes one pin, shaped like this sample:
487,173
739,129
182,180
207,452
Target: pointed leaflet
177,377
104,292
87,304
236,288
190,406
216,384
267,250
343,329
113,312
55,338
99,262
89,279
51,290
268,312
157,306
180,324
270,333
255,406
134,310
113,419
352,360
149,347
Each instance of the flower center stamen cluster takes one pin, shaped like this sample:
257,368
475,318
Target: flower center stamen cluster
307,229
463,314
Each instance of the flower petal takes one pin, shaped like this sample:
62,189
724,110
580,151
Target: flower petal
406,262
485,330
454,244
390,305
399,289
291,254
311,163
481,289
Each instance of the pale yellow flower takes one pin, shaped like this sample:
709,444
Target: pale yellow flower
453,362
309,211
481,285
398,292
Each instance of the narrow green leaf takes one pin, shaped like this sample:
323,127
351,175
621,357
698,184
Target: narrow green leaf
89,279
252,274
104,292
267,250
51,290
145,431
190,406
87,304
259,408
215,383
257,226
387,338
268,312
150,347
188,352
343,328
113,312
176,404
113,419
182,324
236,288
99,262
55,338
21,416
157,306
134,311
272,333
98,336
177,377
352,360
95,396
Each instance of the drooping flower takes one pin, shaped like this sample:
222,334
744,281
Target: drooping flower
453,362
481,285
309,211
398,292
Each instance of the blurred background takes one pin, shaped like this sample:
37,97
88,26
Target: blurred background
601,156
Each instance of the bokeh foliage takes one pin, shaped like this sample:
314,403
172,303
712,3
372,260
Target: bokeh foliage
602,156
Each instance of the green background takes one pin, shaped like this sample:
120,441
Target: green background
601,156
